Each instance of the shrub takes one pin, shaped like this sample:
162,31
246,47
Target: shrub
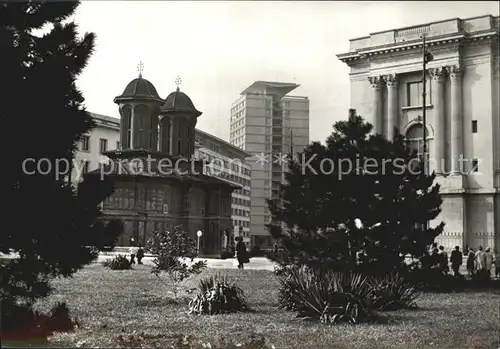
22,323
335,296
330,297
60,319
257,252
218,295
119,262
171,250
226,254
392,292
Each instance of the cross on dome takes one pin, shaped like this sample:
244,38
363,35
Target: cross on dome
140,68
178,82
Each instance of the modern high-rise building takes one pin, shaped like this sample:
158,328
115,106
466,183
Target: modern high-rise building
462,128
269,124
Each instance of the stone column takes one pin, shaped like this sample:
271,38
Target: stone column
438,78
392,106
456,120
171,136
132,127
161,140
377,83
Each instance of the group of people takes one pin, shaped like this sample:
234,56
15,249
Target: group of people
479,262
136,251
482,262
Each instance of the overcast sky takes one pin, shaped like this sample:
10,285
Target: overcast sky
219,48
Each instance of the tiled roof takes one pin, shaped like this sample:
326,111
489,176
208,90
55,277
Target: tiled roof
178,101
139,88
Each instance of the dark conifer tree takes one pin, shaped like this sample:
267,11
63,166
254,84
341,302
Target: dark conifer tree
42,117
372,180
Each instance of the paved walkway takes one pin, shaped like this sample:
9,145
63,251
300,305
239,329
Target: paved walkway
256,263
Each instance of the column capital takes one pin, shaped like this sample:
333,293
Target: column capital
376,81
455,72
438,74
391,80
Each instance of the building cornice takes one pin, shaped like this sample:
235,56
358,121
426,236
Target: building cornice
388,49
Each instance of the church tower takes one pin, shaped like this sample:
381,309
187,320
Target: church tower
178,118
139,107
158,185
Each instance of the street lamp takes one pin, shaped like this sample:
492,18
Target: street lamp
426,58
199,233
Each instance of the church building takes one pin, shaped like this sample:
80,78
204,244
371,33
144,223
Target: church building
158,183
462,109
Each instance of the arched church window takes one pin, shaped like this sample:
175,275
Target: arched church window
129,131
168,126
415,139
152,131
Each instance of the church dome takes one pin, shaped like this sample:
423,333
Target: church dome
139,88
179,102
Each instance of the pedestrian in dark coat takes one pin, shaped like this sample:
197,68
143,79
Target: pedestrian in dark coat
241,253
456,260
470,262
140,254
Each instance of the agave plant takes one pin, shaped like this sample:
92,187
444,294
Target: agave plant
119,262
331,297
392,292
218,295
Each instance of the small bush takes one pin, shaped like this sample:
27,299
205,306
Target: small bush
60,319
257,252
226,254
218,295
119,262
392,292
172,251
334,296
330,297
22,323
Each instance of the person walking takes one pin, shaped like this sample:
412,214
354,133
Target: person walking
443,260
241,252
471,257
496,262
456,260
140,254
480,261
133,252
488,262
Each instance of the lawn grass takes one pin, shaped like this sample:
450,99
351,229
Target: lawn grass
111,305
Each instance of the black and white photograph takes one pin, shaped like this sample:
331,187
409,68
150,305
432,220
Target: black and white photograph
250,174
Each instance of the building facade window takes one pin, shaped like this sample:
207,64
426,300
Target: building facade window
414,92
103,145
85,143
475,165
414,137
474,126
85,166
117,144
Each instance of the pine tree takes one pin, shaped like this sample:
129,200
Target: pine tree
372,182
42,118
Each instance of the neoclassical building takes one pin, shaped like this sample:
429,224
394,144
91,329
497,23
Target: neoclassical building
462,109
158,182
